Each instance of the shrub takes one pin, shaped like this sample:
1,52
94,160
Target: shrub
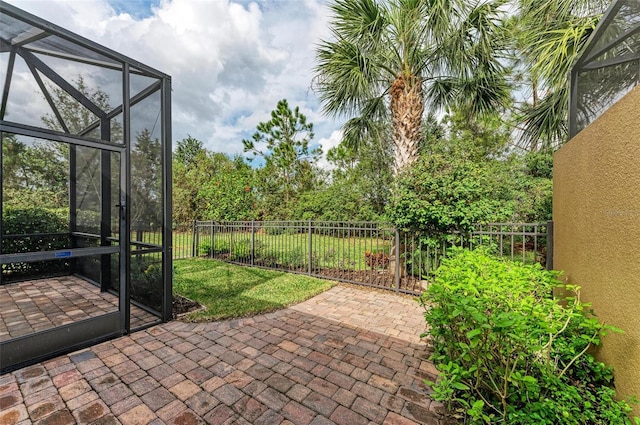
241,250
509,352
220,246
284,230
34,220
205,248
88,221
266,257
147,280
294,259
447,192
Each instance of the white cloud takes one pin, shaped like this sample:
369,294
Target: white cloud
327,143
230,62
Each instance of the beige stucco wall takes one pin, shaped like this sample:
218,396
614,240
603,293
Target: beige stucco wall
596,213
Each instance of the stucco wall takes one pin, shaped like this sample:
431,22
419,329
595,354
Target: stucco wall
596,213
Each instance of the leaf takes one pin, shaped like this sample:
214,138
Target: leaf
459,386
428,383
474,332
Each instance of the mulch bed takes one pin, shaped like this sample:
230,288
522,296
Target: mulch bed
182,306
377,278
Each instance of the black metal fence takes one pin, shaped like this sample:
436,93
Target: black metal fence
364,253
183,241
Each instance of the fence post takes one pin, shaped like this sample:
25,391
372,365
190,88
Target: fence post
193,240
550,245
253,243
212,245
232,230
397,256
310,248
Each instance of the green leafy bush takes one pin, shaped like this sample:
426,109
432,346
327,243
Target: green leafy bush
220,246
444,193
49,224
283,230
88,221
423,255
147,280
294,259
508,352
266,257
241,250
205,248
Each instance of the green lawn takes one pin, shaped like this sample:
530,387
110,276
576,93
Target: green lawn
292,250
230,291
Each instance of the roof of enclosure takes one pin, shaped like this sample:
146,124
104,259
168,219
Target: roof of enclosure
609,66
21,29
46,70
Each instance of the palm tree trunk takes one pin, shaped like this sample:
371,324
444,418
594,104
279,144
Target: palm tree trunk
407,107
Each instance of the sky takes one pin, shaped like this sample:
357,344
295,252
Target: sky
230,61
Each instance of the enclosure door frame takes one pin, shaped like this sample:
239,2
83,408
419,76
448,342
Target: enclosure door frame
20,351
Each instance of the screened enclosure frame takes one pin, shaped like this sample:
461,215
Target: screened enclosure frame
608,67
109,251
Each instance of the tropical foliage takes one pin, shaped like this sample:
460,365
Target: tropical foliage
547,38
34,174
508,352
210,185
386,61
358,189
466,175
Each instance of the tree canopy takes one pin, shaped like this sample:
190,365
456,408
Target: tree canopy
386,60
547,37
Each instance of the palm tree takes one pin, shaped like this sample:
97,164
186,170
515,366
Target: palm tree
549,36
387,60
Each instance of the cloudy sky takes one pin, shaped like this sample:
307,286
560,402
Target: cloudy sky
230,61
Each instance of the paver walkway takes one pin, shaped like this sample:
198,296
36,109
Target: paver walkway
40,304
348,356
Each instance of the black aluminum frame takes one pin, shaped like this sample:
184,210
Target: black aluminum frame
18,352
588,59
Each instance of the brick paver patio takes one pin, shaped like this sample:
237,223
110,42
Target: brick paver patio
348,356
40,304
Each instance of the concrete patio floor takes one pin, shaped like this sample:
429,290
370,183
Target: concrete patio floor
347,356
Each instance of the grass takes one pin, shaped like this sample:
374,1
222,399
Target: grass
229,291
293,249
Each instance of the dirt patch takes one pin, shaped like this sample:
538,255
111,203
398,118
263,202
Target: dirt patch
182,306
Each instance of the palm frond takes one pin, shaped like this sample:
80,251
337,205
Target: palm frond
442,16
556,50
346,77
370,126
442,92
359,21
545,125
484,93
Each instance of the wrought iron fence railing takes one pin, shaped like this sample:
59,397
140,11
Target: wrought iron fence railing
365,253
